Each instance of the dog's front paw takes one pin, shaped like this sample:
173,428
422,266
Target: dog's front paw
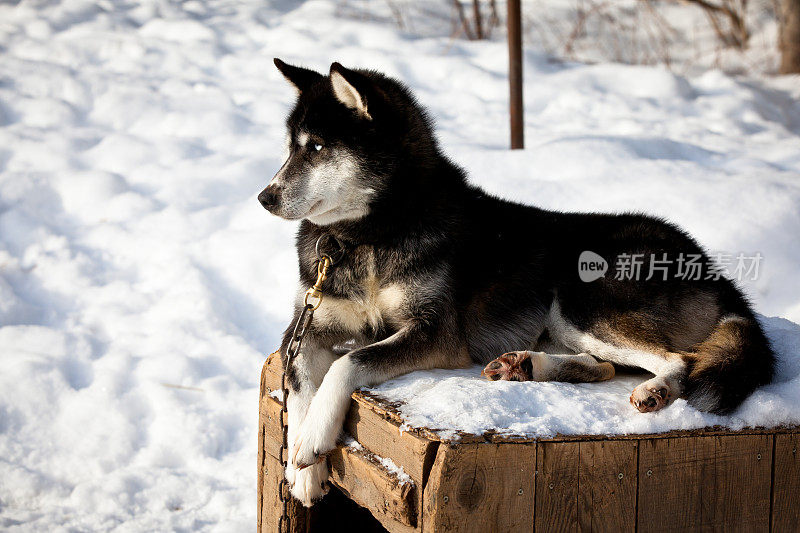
309,484
314,440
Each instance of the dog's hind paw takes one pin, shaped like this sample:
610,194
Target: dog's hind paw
511,366
651,395
311,483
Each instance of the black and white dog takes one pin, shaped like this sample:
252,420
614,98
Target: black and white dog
439,274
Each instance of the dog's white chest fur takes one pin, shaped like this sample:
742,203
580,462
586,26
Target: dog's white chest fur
375,305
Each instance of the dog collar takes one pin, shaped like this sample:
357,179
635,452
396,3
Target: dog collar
330,247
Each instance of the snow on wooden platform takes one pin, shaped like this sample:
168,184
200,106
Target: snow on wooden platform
456,402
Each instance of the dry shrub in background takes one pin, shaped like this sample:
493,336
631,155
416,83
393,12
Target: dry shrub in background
727,18
479,26
604,30
737,36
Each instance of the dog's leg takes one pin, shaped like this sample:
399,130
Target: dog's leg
305,376
541,366
669,368
655,393
408,349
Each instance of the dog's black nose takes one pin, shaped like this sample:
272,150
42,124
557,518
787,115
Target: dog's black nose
269,197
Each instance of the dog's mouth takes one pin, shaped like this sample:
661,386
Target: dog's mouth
294,215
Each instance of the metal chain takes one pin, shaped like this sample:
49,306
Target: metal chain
311,301
295,342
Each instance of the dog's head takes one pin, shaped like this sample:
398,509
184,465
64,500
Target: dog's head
347,133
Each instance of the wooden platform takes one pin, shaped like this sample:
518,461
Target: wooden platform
709,480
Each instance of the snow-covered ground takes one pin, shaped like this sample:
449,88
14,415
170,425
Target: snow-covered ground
141,283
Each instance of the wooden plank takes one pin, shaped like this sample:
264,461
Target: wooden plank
270,502
742,482
607,484
480,487
586,486
557,475
671,473
271,374
367,401
412,453
269,408
260,459
388,440
709,431
260,474
786,485
367,482
692,483
270,412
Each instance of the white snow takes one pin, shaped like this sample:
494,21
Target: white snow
141,284
397,471
350,442
454,401
277,394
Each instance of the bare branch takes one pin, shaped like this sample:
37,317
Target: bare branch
737,35
476,13
463,18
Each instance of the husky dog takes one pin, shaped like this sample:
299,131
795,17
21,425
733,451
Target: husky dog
436,273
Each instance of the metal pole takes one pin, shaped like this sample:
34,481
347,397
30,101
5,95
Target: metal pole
515,73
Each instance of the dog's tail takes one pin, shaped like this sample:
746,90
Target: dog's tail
731,363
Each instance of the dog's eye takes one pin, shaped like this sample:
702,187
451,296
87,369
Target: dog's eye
317,147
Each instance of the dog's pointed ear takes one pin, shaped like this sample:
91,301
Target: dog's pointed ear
350,88
301,78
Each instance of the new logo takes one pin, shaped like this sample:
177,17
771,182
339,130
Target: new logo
591,266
